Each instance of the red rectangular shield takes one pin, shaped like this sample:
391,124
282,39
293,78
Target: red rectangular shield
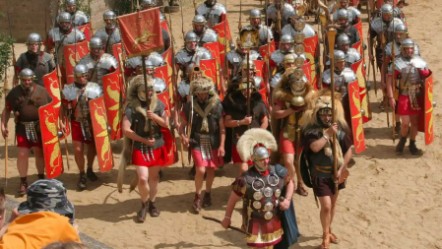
113,99
72,55
356,118
141,32
365,105
209,69
426,123
311,47
101,134
267,49
53,159
87,30
52,85
224,39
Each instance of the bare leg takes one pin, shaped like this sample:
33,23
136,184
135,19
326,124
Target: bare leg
405,125
22,161
414,121
325,216
91,153
78,155
143,185
199,178
154,179
39,160
209,179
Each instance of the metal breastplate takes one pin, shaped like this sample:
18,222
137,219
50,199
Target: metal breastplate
208,36
410,76
352,56
277,57
212,14
114,38
61,39
184,89
286,13
265,35
79,18
341,80
98,69
263,194
159,85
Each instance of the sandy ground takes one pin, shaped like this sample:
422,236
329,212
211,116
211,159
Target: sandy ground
390,201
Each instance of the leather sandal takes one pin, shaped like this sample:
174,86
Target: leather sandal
325,241
300,190
334,239
141,215
197,204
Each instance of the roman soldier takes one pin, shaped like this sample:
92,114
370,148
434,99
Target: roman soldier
278,14
24,100
343,75
213,11
64,34
204,33
76,98
318,132
236,57
297,25
265,189
264,33
203,118
400,33
353,13
351,54
38,61
244,108
410,71
286,46
110,34
190,54
134,67
98,62
382,29
144,118
344,26
78,17
290,97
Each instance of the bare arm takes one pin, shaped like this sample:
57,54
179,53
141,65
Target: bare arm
233,199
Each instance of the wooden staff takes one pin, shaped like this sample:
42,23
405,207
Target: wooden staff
370,52
331,35
182,18
6,124
393,83
174,83
240,14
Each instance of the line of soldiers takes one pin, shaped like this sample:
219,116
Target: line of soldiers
226,100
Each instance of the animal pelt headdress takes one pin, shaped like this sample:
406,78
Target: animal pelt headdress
320,100
136,84
202,85
253,138
293,89
323,99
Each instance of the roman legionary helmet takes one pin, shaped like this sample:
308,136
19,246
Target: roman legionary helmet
109,15
96,42
342,14
33,38
145,4
64,17
343,39
255,13
387,9
80,70
256,144
339,56
70,3
199,19
407,43
26,73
